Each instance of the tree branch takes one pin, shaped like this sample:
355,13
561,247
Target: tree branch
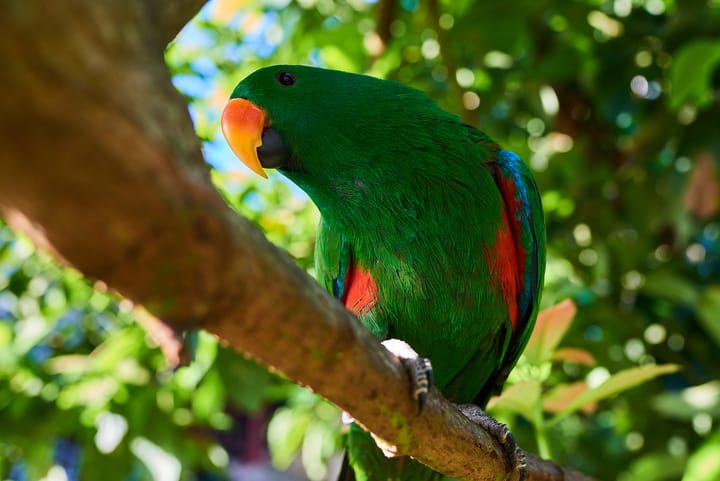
100,165
172,15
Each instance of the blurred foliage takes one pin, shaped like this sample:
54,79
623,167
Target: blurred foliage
615,106
532,391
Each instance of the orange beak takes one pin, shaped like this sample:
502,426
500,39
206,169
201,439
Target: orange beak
242,125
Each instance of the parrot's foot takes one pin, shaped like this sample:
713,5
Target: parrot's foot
389,450
419,369
514,456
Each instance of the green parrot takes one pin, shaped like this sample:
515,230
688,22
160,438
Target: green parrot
430,232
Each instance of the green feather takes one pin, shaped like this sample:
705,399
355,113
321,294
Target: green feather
413,196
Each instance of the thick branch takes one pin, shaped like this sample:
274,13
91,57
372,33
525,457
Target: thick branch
172,15
100,164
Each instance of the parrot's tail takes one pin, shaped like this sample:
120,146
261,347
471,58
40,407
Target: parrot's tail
364,461
347,473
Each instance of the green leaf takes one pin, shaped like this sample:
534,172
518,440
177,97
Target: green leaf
520,398
691,71
121,345
704,464
664,285
249,380
617,383
684,405
38,459
550,327
580,356
6,335
654,467
285,434
564,395
318,444
8,358
209,397
91,392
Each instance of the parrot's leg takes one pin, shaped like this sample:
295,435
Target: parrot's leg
388,449
419,369
514,456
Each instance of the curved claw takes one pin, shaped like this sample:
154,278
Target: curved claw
419,369
515,457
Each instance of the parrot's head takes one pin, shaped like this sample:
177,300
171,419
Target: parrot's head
350,141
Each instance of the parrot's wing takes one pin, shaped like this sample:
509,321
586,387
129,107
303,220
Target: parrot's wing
522,202
524,209
333,259
349,282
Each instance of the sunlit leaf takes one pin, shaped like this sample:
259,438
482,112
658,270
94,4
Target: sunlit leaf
550,327
91,392
521,398
130,371
123,343
318,444
68,364
285,435
209,397
580,356
704,464
654,467
5,335
691,70
685,404
617,383
563,395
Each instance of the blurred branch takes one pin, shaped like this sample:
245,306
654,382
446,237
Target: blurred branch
174,14
100,165
385,16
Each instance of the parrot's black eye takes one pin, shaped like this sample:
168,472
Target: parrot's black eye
285,78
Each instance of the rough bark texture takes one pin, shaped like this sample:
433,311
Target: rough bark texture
100,165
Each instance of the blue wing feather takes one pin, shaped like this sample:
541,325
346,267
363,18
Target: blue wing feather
528,213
